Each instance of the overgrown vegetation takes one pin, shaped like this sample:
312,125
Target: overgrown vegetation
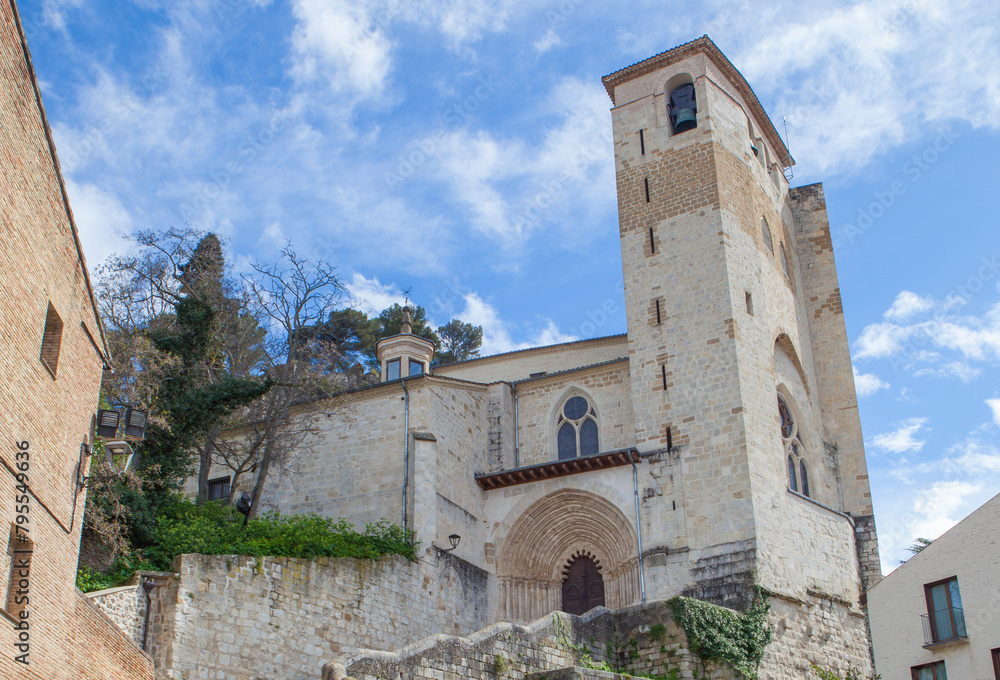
718,634
217,529
852,674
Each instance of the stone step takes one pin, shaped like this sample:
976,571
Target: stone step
577,673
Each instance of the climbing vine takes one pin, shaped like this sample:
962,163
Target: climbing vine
718,634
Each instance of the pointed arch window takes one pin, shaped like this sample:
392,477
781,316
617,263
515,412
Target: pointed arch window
791,438
577,432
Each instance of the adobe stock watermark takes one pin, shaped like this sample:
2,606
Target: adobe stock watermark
246,153
454,116
913,169
19,598
558,16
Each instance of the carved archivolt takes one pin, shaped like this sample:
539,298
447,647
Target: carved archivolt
538,548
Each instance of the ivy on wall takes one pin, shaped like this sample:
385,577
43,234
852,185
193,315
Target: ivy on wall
718,634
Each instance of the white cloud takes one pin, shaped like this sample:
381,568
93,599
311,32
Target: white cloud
547,42
497,337
901,440
946,345
867,384
930,513
908,304
510,188
460,21
101,219
994,405
371,296
827,68
343,43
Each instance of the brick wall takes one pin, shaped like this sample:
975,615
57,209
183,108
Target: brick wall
49,405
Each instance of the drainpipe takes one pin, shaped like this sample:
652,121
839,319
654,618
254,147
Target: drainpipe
517,448
638,527
147,586
406,448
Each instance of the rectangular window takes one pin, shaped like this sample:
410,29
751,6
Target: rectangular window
392,370
659,318
642,143
931,671
51,340
646,181
19,551
663,372
945,619
652,242
416,367
218,489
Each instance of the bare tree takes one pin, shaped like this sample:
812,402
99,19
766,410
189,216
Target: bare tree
294,296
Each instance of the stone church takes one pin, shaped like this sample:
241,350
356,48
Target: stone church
714,447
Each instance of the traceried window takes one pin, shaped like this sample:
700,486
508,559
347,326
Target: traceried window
798,474
577,429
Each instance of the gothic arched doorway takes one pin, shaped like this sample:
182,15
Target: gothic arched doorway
583,586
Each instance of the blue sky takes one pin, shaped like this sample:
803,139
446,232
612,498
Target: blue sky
463,149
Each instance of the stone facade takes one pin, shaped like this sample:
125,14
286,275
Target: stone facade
52,353
125,606
681,485
898,605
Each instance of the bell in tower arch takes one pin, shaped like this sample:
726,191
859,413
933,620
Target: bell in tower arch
683,109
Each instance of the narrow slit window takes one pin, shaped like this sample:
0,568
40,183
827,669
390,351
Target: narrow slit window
646,182
642,143
749,303
659,319
51,340
663,372
670,441
652,242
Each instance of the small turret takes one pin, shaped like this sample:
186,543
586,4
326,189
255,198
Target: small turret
404,355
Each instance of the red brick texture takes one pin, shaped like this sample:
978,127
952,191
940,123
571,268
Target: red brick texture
48,404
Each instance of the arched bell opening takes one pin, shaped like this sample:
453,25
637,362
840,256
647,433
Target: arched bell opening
583,585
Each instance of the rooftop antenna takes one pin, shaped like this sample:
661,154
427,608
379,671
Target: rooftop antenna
788,169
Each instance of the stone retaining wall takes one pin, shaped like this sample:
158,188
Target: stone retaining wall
625,639
125,606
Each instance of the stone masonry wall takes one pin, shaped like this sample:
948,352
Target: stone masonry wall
125,606
243,618
620,638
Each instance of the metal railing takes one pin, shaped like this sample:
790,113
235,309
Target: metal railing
944,625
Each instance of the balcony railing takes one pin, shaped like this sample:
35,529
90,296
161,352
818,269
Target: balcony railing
944,625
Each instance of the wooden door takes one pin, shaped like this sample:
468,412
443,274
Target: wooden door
583,588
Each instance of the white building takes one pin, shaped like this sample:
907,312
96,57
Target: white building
938,615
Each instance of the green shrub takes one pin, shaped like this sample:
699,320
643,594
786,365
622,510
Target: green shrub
88,580
217,529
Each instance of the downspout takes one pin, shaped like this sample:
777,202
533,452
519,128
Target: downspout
638,528
406,448
147,586
517,447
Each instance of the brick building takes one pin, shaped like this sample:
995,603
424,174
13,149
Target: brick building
715,446
52,353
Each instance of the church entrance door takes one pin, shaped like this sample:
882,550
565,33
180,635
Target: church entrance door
583,587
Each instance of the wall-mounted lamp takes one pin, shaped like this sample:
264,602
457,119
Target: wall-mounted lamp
117,450
454,540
